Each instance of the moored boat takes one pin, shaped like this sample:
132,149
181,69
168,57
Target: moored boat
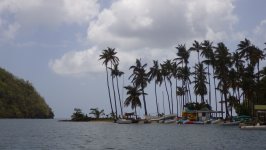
256,127
124,121
233,123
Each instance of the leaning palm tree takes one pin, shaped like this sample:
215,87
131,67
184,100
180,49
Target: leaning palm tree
108,56
133,97
114,91
117,73
200,81
140,79
155,73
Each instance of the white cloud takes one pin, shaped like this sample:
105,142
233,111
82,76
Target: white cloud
259,34
28,14
159,24
77,63
150,29
8,30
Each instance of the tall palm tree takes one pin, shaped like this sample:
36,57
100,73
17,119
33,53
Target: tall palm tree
181,92
177,76
117,73
165,74
140,79
207,52
183,56
108,56
200,81
238,63
133,97
155,73
223,62
114,92
196,46
167,68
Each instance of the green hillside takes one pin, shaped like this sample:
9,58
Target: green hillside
19,99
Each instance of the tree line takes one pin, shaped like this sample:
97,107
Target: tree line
232,78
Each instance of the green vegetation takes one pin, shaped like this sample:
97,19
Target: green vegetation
96,112
19,99
78,115
98,115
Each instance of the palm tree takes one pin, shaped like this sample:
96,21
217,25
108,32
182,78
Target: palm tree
196,46
117,73
108,55
140,79
165,73
181,92
167,68
200,81
96,112
155,73
183,57
207,52
223,62
114,92
133,97
238,63
177,76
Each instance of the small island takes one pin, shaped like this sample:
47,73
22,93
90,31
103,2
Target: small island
19,99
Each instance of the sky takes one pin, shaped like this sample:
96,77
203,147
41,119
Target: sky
55,44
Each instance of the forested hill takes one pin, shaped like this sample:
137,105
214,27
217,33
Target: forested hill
19,99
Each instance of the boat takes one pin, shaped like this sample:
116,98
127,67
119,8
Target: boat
124,121
218,121
233,123
168,119
256,127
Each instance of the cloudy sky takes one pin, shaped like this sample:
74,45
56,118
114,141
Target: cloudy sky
55,44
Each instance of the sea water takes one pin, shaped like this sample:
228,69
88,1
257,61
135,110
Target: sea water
31,134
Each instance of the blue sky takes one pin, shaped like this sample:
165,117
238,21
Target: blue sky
56,44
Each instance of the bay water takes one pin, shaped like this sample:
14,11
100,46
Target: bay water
34,134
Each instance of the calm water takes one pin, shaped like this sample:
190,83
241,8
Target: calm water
51,134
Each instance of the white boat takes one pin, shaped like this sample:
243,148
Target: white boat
260,127
216,121
124,121
234,123
168,119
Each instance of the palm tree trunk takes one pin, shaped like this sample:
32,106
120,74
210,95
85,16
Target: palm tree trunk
202,98
167,96
114,97
172,97
156,98
222,105
144,101
136,112
120,102
109,93
209,85
226,105
215,92
190,99
176,97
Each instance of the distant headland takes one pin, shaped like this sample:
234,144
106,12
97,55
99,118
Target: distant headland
19,99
